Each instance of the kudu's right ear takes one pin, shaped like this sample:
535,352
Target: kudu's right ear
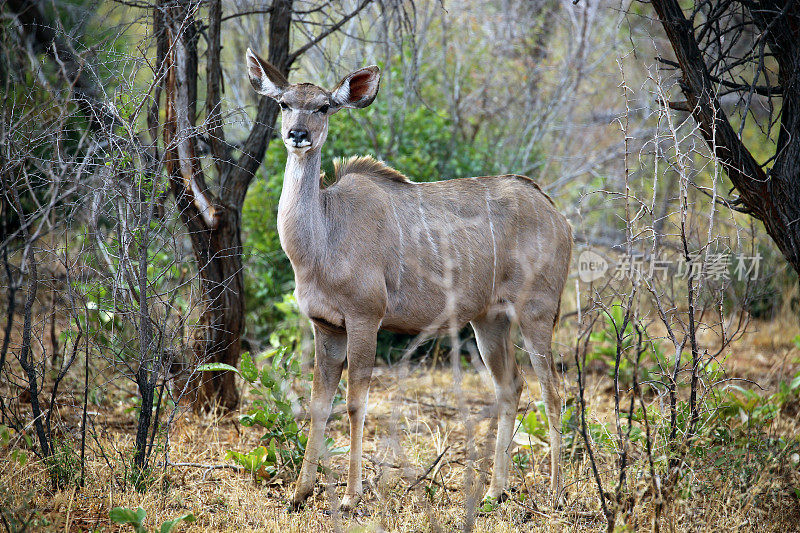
265,78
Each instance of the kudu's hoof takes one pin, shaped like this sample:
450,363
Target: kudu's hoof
559,499
298,502
349,503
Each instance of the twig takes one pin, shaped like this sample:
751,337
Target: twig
428,471
238,468
208,468
531,509
300,51
442,406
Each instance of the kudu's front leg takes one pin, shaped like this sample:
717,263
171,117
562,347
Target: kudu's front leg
329,354
361,343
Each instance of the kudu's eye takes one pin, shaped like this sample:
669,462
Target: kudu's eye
284,106
324,109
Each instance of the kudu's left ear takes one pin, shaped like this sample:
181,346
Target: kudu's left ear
358,89
265,78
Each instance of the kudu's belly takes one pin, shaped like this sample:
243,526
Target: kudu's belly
429,303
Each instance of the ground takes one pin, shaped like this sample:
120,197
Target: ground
415,414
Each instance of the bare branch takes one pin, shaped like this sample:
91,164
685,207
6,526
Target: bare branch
300,51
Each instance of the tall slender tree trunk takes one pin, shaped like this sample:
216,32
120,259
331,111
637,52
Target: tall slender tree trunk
214,222
222,318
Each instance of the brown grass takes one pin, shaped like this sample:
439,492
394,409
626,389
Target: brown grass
414,415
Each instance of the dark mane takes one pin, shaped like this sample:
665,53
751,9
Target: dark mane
367,166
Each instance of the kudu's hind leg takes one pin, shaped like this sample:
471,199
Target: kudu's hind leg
537,334
361,344
497,352
329,354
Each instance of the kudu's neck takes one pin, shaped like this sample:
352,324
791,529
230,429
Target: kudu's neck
301,224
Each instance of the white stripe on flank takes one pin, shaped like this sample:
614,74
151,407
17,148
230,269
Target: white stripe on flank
425,222
494,244
400,244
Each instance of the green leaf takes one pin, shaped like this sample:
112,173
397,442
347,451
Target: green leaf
266,377
251,461
272,455
167,526
248,368
278,358
338,450
267,355
20,456
123,515
216,367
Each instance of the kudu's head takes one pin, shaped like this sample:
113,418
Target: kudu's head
306,107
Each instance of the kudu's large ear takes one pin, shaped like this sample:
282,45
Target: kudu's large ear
358,89
265,78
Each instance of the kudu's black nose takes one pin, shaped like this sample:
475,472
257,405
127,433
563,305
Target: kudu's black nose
299,135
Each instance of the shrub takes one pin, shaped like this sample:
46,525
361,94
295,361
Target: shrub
274,410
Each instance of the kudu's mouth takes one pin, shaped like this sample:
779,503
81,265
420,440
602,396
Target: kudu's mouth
297,146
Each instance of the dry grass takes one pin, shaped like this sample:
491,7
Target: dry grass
413,416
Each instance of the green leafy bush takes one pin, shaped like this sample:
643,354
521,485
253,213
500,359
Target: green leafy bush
63,465
18,454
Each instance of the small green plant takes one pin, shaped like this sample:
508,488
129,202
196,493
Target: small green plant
63,465
260,462
126,516
288,333
131,475
522,460
18,455
488,505
431,490
17,512
571,428
140,479
604,342
273,409
532,428
735,431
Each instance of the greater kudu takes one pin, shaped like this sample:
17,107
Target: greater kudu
375,250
